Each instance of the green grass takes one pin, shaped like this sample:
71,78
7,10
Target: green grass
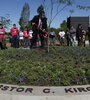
62,66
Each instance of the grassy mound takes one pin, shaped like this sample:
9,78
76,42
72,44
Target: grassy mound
62,66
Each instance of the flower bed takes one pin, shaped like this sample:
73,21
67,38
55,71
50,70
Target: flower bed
62,66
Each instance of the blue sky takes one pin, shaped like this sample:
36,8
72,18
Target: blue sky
14,8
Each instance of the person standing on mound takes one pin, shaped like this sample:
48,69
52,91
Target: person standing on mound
2,37
14,33
46,39
21,38
52,37
79,34
26,37
39,25
61,36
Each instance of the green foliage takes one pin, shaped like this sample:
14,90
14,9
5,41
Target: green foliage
25,15
68,2
40,9
5,21
62,66
64,25
71,12
83,7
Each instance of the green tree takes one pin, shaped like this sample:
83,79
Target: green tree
63,25
25,15
5,20
40,9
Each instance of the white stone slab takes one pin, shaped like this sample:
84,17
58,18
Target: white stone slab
13,92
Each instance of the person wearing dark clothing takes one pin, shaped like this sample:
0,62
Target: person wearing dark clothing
88,33
39,25
68,38
52,37
79,34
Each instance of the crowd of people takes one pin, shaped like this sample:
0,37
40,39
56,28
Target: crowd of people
73,36
27,38
30,38
78,34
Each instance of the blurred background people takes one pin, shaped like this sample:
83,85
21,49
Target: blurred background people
73,36
26,37
68,37
52,37
14,33
84,37
21,38
61,36
79,34
2,37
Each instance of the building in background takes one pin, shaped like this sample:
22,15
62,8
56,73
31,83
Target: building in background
74,21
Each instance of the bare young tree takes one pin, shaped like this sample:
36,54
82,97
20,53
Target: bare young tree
54,7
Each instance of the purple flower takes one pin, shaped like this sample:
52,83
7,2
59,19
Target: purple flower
20,79
21,74
11,75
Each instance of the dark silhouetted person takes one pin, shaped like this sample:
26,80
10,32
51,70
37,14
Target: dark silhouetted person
79,34
39,25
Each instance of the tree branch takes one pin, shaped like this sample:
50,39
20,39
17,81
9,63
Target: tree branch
58,12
